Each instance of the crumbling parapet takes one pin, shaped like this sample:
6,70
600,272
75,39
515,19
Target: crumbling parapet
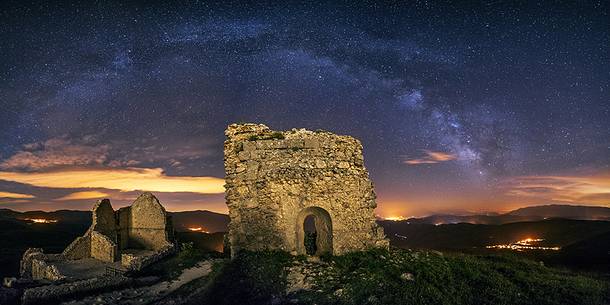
36,265
275,179
25,266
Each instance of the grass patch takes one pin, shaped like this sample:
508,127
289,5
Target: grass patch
250,278
401,277
405,277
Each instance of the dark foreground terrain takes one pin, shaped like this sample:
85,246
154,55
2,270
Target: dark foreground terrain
451,265
388,277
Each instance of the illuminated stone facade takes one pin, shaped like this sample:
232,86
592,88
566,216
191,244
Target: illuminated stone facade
274,180
143,225
128,239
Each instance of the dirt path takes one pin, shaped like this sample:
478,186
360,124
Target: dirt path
146,295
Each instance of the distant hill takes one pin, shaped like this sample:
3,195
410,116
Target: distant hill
460,236
208,221
564,211
473,219
534,213
71,216
17,234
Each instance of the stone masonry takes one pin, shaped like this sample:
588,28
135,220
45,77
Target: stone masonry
130,238
274,180
143,226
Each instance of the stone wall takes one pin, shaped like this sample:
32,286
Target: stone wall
124,215
148,224
104,219
103,248
36,265
25,266
79,248
42,269
144,225
273,177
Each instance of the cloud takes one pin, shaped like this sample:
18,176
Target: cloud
15,195
128,179
432,157
593,189
56,152
86,151
83,195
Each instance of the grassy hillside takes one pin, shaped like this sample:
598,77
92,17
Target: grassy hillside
396,277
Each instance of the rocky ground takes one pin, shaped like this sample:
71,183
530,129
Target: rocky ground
397,277
371,277
149,294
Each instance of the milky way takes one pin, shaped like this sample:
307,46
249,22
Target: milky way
456,104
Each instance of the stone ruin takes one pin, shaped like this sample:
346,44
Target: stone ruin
117,241
276,179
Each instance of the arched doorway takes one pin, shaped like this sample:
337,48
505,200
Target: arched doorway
323,231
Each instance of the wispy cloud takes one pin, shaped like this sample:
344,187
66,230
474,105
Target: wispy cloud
83,195
594,189
15,195
56,152
431,157
128,179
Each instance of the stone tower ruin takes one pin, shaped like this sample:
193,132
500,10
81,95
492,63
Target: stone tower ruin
135,230
128,239
276,179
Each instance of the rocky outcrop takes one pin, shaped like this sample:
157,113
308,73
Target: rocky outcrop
276,179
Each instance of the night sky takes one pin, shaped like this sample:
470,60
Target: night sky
463,107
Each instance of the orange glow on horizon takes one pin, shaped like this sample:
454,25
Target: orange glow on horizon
197,229
15,195
83,195
41,220
395,218
128,179
594,189
524,244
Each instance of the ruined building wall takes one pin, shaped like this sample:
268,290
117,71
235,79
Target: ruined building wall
148,224
103,233
79,248
272,177
143,225
124,215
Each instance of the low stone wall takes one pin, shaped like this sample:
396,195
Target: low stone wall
79,248
25,268
102,247
36,265
136,263
54,293
43,269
